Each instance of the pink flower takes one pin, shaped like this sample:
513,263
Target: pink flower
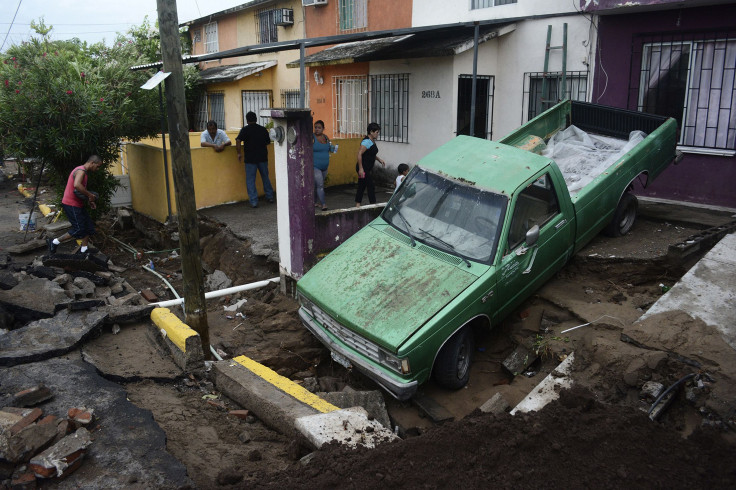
69,92
5,61
6,83
19,82
56,53
81,74
44,55
13,58
17,91
102,99
100,112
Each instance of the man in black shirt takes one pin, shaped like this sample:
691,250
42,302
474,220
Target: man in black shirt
255,140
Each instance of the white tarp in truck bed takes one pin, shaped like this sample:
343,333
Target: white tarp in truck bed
582,156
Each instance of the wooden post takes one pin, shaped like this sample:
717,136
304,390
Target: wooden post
195,308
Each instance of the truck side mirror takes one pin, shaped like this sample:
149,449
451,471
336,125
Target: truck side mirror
532,236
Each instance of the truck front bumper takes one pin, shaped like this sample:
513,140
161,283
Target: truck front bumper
398,389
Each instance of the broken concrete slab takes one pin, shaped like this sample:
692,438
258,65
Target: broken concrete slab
50,337
54,229
75,262
371,401
548,389
85,286
85,304
350,427
33,299
496,405
131,355
128,313
29,441
43,272
519,360
7,281
216,281
95,278
29,246
128,446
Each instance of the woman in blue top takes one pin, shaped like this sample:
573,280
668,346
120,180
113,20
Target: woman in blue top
367,156
321,149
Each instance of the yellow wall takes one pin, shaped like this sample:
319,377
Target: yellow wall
219,178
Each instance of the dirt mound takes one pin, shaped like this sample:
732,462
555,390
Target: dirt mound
575,440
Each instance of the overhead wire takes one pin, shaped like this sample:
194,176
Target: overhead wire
11,24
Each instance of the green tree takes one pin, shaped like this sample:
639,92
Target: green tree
61,101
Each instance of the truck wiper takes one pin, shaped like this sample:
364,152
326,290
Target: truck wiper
448,245
407,226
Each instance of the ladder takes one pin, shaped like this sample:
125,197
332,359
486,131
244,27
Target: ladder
548,100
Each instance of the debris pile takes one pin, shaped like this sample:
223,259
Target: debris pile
34,445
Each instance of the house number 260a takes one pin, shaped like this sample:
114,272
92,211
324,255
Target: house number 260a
430,94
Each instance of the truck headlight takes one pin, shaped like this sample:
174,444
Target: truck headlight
306,303
400,365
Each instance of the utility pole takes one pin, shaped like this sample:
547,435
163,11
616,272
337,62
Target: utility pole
195,308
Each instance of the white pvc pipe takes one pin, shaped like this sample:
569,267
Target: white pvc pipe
221,292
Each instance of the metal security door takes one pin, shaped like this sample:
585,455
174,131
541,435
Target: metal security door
255,100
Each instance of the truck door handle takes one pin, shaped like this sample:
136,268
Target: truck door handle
560,224
531,262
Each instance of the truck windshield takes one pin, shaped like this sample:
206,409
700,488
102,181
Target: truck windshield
447,215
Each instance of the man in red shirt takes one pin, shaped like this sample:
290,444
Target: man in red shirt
75,196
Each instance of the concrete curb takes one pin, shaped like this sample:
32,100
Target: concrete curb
287,407
184,343
548,389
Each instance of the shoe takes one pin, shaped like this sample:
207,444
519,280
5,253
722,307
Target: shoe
254,206
51,245
271,201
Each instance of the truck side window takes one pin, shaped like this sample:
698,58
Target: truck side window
536,205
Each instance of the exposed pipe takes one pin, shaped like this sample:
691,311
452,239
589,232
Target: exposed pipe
221,292
214,353
163,279
668,390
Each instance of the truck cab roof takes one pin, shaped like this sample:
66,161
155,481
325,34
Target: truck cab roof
475,161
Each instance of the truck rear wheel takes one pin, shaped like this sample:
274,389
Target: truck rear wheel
452,366
623,217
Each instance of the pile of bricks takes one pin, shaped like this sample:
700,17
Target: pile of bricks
34,445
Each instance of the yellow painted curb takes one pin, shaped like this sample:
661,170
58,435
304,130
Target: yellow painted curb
177,331
286,385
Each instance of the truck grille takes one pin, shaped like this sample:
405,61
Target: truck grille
349,338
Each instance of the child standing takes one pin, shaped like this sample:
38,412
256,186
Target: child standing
403,171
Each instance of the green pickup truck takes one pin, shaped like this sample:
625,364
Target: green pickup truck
475,228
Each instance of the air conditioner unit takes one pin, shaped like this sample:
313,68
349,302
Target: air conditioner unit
284,17
306,3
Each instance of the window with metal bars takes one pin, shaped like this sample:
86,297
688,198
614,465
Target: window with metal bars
255,100
211,44
535,102
350,106
691,77
389,102
211,106
481,4
290,98
352,14
266,29
484,90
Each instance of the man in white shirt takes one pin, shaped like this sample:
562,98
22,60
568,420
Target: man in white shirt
214,138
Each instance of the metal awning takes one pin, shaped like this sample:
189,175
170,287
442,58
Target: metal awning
233,73
440,42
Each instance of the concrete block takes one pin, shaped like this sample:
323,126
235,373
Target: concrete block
32,396
77,262
519,360
85,286
63,457
7,281
184,343
29,441
84,304
372,401
128,313
43,271
29,246
128,299
496,405
350,427
55,229
94,278
276,400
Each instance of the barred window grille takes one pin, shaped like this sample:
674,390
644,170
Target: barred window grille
481,4
266,28
290,98
211,106
484,93
690,77
352,14
255,100
389,100
210,38
350,105
576,88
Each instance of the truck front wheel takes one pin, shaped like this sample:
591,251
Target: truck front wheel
452,366
623,217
